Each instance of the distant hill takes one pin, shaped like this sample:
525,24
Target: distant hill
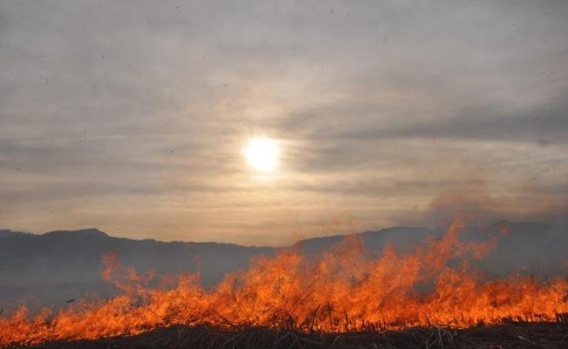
8,232
62,265
536,249
399,237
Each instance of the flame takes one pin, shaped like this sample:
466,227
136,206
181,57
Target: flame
342,290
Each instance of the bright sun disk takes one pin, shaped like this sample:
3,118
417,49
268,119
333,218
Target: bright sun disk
262,153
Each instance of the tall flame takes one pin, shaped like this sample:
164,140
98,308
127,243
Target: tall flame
341,290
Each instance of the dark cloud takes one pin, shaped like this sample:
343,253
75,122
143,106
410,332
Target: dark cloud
543,124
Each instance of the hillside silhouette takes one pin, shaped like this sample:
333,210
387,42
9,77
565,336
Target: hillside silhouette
60,266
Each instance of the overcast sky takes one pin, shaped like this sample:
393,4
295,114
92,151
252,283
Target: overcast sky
131,116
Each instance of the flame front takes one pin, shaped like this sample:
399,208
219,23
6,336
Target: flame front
342,290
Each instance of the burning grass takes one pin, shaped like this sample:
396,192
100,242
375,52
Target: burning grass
293,300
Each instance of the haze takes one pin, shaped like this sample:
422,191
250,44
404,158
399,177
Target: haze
131,116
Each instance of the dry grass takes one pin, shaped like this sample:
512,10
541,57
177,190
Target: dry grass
511,335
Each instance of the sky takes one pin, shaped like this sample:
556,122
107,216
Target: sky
132,116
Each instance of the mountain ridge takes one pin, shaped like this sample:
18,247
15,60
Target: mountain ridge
62,264
97,232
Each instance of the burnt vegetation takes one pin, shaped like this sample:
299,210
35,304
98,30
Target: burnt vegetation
510,334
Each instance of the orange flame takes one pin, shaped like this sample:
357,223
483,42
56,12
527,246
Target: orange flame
342,290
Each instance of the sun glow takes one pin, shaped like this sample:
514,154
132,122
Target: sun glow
262,154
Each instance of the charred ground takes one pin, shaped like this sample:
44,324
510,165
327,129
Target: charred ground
510,335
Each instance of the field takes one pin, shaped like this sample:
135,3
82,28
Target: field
511,335
416,299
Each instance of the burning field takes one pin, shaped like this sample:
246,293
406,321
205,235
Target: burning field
425,296
517,335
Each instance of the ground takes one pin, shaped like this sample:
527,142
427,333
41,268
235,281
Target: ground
513,335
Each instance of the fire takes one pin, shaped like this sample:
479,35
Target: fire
342,290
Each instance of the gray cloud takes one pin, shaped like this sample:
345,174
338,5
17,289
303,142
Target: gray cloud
382,107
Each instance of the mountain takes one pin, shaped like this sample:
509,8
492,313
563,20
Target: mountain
8,232
399,237
58,266
536,249
62,265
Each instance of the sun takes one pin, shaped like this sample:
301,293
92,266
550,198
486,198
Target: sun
262,154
